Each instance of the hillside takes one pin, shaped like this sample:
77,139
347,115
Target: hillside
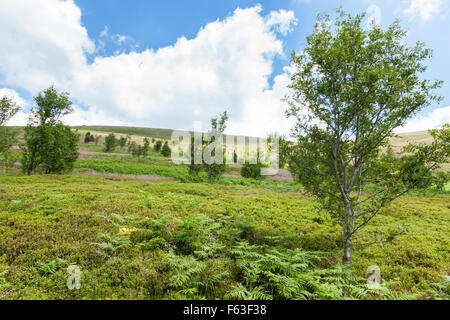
397,142
403,139
110,216
137,131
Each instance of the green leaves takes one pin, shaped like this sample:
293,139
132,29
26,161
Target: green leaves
52,106
166,151
8,109
110,142
50,146
51,266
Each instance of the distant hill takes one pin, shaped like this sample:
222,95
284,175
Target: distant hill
134,131
137,131
403,139
397,142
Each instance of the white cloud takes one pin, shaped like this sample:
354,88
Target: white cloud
120,39
373,15
85,117
13,95
282,20
431,120
226,66
43,42
79,116
104,31
425,9
20,118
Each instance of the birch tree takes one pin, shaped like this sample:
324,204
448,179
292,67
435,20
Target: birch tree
351,88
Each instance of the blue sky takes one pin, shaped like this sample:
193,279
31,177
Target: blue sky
156,24
124,63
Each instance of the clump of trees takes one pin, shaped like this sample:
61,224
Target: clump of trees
89,137
141,150
8,109
159,146
135,149
50,146
251,170
351,88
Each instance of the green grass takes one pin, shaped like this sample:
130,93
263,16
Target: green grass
100,148
151,167
134,168
46,218
185,240
14,156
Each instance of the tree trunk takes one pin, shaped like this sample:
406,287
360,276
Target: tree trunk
347,250
31,164
347,247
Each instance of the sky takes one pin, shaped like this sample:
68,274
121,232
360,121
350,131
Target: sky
171,64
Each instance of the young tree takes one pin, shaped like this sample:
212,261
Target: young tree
195,168
235,157
122,142
166,151
284,149
146,147
158,146
87,137
352,87
110,143
49,145
132,148
213,169
8,109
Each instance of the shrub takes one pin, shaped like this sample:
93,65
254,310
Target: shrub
166,151
8,109
158,145
87,137
110,143
251,170
122,142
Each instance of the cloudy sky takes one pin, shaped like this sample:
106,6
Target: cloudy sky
167,64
